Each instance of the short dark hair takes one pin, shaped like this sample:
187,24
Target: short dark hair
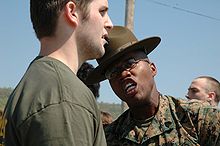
213,85
45,13
83,73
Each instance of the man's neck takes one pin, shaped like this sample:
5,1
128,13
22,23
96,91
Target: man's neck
62,51
146,110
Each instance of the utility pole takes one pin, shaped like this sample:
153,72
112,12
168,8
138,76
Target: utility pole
129,14
129,23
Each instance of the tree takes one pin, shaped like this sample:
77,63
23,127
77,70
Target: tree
4,94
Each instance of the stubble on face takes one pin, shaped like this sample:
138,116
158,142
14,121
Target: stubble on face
197,90
90,35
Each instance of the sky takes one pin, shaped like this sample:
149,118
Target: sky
189,30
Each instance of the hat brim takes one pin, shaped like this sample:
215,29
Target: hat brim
98,74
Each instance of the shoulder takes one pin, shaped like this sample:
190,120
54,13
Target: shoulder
117,127
191,106
201,115
200,112
196,110
49,83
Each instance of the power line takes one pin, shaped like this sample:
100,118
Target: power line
184,10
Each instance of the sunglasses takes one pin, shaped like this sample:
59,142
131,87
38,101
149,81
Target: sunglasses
128,65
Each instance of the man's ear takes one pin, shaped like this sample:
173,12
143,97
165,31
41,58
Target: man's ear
71,13
212,98
211,95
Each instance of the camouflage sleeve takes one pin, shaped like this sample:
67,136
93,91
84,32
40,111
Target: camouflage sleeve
209,127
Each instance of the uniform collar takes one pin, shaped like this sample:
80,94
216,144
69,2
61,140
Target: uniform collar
162,122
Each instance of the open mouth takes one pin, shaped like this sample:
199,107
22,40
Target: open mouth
130,87
105,37
106,40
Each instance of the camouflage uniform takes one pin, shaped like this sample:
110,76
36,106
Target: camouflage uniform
177,122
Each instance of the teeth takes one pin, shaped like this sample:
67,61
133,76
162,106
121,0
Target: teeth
129,86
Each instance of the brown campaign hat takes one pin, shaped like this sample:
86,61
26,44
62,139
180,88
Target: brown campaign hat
121,41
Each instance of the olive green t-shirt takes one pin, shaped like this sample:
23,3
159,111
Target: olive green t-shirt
51,107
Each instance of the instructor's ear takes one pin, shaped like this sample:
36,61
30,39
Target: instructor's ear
153,68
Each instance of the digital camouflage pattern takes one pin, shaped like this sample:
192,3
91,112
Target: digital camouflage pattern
177,123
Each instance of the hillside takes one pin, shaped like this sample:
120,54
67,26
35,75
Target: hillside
4,93
114,109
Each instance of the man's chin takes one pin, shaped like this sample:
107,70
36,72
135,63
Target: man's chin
100,53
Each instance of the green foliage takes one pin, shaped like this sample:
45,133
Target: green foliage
114,109
4,94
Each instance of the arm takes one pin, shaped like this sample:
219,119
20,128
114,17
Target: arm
209,127
59,124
